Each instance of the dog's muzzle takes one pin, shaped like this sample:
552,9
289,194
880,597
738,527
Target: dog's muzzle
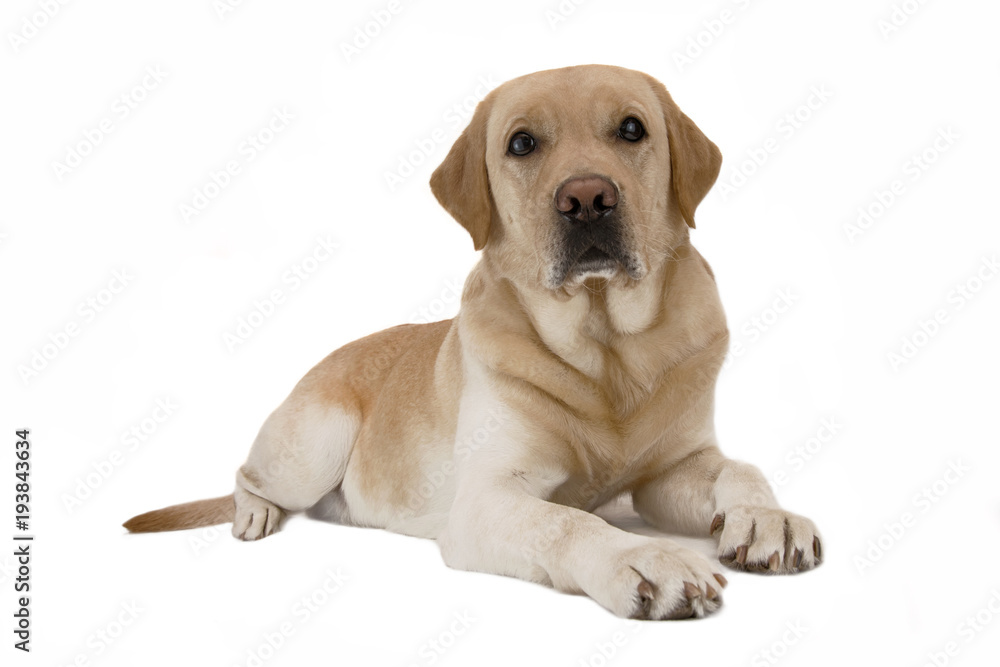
592,238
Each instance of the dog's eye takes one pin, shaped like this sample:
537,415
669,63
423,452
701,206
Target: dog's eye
521,143
631,129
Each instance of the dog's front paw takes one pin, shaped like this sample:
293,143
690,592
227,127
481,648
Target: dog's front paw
255,516
660,581
760,539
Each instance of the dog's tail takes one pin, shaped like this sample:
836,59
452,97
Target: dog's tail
188,515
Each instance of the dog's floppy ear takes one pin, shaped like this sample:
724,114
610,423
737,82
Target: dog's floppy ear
461,183
694,160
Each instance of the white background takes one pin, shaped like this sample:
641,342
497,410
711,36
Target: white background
206,599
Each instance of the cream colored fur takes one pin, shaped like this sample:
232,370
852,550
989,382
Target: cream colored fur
499,432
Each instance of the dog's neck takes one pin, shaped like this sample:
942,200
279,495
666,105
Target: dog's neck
602,351
585,326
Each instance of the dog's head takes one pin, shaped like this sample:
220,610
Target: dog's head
577,173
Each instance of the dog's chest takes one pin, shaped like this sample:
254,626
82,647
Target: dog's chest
653,415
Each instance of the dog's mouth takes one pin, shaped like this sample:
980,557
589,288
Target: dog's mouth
601,249
605,258
594,260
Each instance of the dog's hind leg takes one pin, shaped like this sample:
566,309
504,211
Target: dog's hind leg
300,455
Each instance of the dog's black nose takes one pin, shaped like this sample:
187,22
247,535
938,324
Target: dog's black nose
586,199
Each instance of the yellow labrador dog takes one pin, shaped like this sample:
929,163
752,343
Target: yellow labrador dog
582,366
